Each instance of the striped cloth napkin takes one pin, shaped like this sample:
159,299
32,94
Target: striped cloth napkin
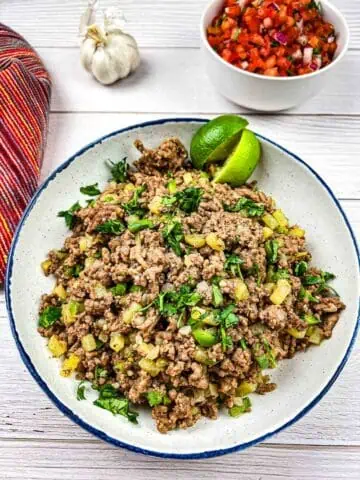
25,89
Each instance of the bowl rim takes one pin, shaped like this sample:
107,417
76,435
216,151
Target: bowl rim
298,78
101,434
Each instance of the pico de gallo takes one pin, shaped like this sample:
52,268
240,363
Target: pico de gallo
281,38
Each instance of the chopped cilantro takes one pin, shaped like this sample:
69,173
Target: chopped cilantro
100,372
304,294
69,215
263,361
250,208
300,268
133,206
243,344
49,316
110,399
73,271
272,248
233,264
281,274
119,289
188,200
90,190
155,398
118,170
114,227
174,302
173,234
80,391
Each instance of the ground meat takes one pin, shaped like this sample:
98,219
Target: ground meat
153,315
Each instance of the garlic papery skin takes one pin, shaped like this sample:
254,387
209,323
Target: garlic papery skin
106,51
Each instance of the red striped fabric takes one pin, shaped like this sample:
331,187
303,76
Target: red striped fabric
25,89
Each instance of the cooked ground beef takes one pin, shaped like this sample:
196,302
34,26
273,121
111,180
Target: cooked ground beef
175,292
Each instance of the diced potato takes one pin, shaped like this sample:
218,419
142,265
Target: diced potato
129,187
112,199
270,221
117,342
267,233
204,181
149,366
155,205
315,335
213,390
280,218
215,242
301,254
60,291
188,178
149,350
282,290
88,343
297,232
85,243
56,346
199,396
172,187
45,265
241,291
201,356
120,366
161,363
195,240
129,313
245,388
69,365
70,310
100,291
299,334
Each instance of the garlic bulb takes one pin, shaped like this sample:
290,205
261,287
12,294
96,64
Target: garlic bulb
106,51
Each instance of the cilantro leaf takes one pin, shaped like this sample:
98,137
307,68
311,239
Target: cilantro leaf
90,190
272,248
100,372
233,264
110,399
300,268
114,227
304,294
68,215
173,234
155,398
281,274
118,170
263,361
250,208
133,207
217,296
73,271
174,302
188,200
119,289
49,316
80,391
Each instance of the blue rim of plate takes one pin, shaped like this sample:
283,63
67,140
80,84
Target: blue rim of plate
100,434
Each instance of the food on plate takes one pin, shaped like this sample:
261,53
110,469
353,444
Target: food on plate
179,293
284,38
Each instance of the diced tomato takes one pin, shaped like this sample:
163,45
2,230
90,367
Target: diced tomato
251,36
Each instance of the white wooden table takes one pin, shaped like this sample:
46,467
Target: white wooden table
36,440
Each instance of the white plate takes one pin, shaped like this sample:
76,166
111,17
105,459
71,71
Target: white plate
302,381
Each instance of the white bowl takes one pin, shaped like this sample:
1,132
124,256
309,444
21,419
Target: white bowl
302,381
260,92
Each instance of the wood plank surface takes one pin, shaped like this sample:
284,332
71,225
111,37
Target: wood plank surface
188,88
160,23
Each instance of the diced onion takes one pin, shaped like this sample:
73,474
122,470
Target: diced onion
308,52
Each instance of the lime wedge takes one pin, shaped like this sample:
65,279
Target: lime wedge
215,140
241,162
